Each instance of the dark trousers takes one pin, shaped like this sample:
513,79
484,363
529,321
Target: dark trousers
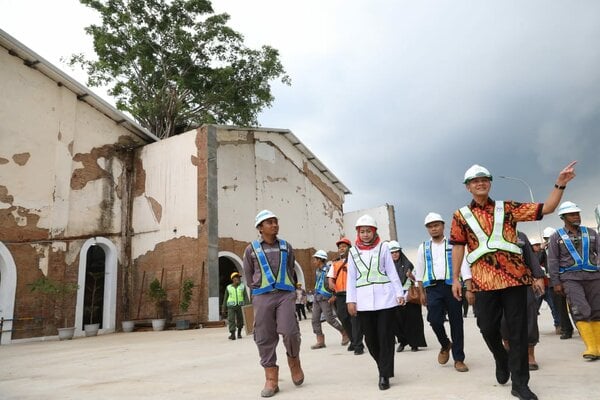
533,332
409,326
560,303
512,303
300,311
351,324
378,327
440,302
549,297
235,318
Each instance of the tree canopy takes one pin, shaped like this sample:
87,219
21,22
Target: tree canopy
175,65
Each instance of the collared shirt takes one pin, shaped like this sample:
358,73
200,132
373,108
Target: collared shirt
559,256
377,296
438,258
252,270
500,269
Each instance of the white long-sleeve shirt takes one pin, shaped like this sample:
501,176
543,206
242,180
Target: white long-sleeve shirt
438,258
376,296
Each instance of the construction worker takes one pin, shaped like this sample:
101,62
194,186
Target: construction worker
234,298
409,321
300,301
433,272
573,256
373,291
322,306
269,270
533,332
488,229
559,299
337,277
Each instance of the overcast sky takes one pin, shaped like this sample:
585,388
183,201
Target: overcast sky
399,98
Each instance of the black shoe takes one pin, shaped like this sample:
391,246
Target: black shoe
351,347
232,336
359,351
414,348
523,393
400,348
566,335
384,383
239,335
502,373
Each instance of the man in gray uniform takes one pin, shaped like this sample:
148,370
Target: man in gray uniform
269,270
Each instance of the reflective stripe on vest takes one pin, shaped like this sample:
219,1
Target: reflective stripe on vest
368,275
580,264
321,282
495,241
235,295
428,274
268,283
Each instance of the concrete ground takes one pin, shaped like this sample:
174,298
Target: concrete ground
204,364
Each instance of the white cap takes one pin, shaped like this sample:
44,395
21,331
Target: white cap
548,231
477,171
433,217
394,245
568,207
535,240
320,254
261,216
366,220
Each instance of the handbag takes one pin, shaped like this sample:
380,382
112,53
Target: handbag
413,295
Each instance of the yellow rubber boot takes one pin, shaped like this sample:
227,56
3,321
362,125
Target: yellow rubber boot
596,331
587,334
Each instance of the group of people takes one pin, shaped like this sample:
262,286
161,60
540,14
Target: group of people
485,259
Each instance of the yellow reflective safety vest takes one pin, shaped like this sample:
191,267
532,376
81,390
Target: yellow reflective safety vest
494,242
368,274
235,295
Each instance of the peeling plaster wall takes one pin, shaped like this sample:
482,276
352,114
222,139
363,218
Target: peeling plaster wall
165,223
60,165
258,170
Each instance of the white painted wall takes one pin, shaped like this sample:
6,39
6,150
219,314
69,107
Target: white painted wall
171,180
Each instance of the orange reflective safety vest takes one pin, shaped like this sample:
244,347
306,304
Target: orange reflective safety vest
340,274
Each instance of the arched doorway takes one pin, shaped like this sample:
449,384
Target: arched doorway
8,287
109,285
93,295
228,263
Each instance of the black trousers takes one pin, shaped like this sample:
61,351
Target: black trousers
512,303
560,302
351,324
378,327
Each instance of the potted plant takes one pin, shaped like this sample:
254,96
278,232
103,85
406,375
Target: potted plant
184,303
57,294
92,327
158,295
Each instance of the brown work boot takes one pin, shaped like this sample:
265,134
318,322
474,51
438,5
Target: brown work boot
271,383
345,338
533,365
296,370
320,343
444,355
460,366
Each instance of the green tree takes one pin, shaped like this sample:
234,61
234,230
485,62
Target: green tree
174,65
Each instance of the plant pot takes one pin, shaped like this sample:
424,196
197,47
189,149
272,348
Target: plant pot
182,324
127,326
91,329
158,324
66,333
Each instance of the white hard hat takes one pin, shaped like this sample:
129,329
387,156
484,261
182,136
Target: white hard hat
477,171
433,217
548,231
394,245
535,240
320,254
568,207
261,216
366,220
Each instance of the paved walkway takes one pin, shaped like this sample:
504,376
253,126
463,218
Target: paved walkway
203,364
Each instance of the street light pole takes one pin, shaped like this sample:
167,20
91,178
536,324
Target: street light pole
530,195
